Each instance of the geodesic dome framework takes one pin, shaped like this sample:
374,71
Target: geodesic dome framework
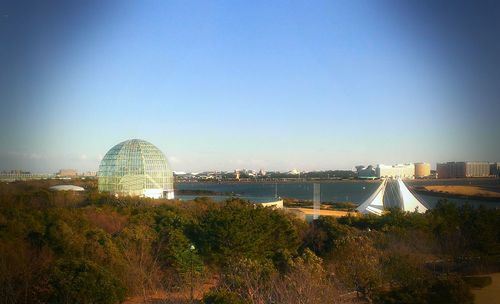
136,168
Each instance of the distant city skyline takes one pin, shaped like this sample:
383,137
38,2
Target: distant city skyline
223,85
433,166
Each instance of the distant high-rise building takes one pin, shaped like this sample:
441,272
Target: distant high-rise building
477,169
450,170
463,169
422,170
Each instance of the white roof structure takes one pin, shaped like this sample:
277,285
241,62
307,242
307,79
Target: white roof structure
66,188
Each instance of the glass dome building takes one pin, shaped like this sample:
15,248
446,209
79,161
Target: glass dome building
137,168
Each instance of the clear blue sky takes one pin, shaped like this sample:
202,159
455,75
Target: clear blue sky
244,84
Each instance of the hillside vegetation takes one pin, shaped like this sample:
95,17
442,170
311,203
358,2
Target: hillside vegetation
66,247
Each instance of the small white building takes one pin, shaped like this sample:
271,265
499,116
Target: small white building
66,188
275,204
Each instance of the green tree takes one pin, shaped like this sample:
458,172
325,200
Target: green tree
323,233
239,229
223,297
82,281
357,263
451,289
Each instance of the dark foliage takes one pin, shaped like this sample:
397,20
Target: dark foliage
94,248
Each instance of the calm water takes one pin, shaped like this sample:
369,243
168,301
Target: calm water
341,191
221,198
338,192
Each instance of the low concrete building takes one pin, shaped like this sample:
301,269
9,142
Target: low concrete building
15,175
395,171
495,169
67,173
278,203
366,172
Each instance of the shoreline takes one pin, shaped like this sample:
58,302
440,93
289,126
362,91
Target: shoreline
303,180
466,179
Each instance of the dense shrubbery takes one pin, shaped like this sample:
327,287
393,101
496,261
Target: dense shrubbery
91,248
238,230
82,281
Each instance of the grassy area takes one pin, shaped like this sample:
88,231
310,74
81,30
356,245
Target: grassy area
463,190
341,206
323,212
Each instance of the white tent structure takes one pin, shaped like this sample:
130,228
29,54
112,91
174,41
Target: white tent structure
405,198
